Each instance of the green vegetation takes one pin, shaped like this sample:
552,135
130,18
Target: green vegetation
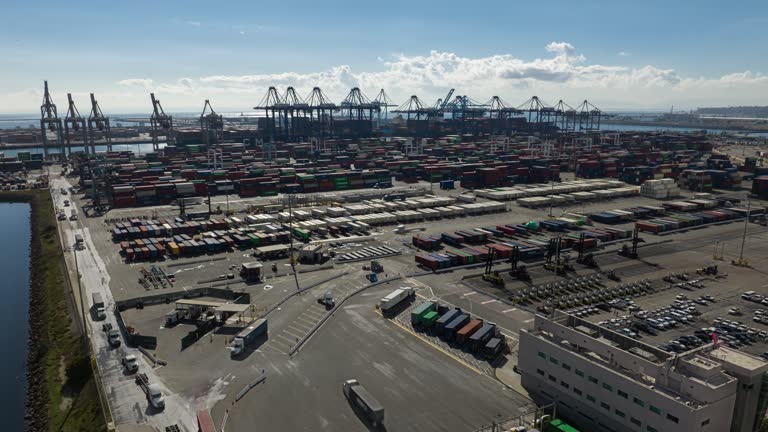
61,390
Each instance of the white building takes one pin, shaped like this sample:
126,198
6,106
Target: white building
604,381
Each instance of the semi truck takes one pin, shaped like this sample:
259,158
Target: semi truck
372,410
419,312
98,306
248,336
394,298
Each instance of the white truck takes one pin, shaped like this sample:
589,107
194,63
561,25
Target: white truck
394,298
130,363
153,392
98,306
248,336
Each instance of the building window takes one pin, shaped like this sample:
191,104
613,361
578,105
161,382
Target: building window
605,406
622,394
552,378
635,421
566,366
655,410
592,379
651,429
620,414
564,384
705,422
672,418
607,387
638,401
553,360
540,372
577,391
590,398
542,355
579,373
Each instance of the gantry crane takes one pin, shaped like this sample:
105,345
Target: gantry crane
161,123
98,122
565,116
211,125
272,106
384,102
77,124
589,116
50,121
320,110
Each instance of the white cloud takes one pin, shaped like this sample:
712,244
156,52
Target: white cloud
565,74
623,54
139,82
194,23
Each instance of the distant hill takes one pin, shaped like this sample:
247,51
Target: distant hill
739,111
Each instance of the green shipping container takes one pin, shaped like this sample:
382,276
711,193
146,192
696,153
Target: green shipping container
418,313
429,319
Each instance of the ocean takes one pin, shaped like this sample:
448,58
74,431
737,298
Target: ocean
14,266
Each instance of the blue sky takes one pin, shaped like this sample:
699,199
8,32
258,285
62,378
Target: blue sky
620,53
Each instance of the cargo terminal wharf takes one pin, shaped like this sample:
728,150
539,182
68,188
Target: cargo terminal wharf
378,260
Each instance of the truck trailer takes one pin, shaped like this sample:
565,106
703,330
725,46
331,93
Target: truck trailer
248,336
364,402
394,298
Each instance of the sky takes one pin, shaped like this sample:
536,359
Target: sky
618,54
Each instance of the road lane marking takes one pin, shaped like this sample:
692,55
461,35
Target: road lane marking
469,294
488,301
509,310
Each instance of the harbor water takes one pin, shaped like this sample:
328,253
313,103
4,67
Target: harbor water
14,266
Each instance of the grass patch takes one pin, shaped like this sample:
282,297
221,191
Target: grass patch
61,389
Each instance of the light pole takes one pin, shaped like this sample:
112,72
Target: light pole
744,235
80,293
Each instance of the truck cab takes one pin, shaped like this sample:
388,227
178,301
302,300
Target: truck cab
101,313
237,347
327,300
155,396
113,337
130,363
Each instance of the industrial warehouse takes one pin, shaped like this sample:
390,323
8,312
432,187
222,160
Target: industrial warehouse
498,267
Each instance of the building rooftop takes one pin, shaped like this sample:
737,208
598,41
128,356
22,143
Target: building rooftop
739,359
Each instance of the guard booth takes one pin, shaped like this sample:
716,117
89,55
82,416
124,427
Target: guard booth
251,271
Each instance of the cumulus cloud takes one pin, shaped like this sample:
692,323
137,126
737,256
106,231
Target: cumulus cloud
563,74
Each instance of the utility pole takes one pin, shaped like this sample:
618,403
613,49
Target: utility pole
744,235
292,259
